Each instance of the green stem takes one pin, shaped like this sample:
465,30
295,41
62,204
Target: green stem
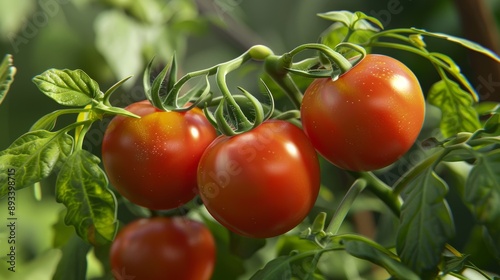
390,32
354,237
345,205
438,63
339,60
484,141
381,190
81,135
288,85
276,67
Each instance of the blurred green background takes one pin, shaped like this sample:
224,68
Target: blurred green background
111,39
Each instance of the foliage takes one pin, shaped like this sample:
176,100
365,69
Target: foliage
419,203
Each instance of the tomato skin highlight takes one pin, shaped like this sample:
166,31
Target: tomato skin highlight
163,248
368,118
261,183
152,161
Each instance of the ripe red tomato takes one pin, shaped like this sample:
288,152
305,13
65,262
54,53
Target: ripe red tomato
152,161
163,248
261,183
368,118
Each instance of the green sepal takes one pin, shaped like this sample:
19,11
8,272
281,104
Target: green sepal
82,186
196,95
68,87
112,89
33,157
160,91
426,223
103,109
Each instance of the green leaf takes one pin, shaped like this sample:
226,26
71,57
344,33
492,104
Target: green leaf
455,71
482,192
362,17
278,269
346,18
47,122
154,94
227,265
337,33
353,21
32,157
114,30
82,187
426,223
458,114
464,42
364,251
454,264
73,264
67,87
7,72
492,125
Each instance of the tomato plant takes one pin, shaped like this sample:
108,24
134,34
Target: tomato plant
152,161
160,247
366,119
261,183
213,183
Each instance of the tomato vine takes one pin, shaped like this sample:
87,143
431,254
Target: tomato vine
421,248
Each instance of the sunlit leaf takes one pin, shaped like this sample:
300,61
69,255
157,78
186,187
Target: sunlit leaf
362,17
82,187
67,87
454,70
7,72
458,115
344,17
426,223
337,33
32,157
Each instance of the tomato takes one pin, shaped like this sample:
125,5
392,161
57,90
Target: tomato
368,118
163,248
260,183
152,161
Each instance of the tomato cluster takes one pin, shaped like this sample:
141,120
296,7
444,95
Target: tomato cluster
260,183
